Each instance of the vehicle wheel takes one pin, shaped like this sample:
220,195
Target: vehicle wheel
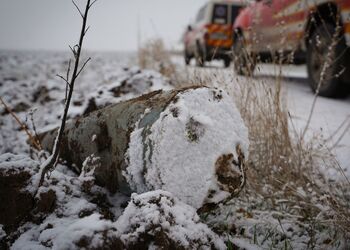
325,60
244,62
227,62
200,55
187,59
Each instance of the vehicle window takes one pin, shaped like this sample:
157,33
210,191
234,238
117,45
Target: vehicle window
235,12
201,14
220,14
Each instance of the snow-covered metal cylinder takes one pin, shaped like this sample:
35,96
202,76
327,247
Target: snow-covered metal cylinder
190,142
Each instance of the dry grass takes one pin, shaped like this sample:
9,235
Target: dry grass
153,55
286,173
282,164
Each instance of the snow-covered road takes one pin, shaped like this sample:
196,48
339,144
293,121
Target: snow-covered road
327,117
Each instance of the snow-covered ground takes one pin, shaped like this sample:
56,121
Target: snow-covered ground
30,87
28,84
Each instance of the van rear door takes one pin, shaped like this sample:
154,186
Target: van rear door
235,9
220,14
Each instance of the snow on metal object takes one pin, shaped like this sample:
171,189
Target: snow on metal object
190,142
195,149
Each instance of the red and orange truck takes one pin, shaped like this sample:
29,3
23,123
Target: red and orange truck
210,36
315,32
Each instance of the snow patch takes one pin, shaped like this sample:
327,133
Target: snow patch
10,163
132,82
181,149
2,232
160,213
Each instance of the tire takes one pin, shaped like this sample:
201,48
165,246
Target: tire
187,59
323,65
227,62
244,62
200,56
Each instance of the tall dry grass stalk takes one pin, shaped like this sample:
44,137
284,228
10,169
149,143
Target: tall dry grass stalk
283,166
153,55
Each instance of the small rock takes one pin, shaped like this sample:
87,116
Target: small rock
46,202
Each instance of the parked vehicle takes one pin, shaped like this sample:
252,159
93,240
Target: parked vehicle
210,37
300,31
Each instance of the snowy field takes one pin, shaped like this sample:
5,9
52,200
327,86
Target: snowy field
29,85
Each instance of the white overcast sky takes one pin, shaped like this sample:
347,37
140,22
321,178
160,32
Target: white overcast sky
55,24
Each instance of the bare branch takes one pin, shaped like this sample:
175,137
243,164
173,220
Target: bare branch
67,85
92,4
68,70
67,77
86,30
73,51
76,6
81,69
64,79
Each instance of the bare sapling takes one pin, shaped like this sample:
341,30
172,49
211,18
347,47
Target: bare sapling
52,160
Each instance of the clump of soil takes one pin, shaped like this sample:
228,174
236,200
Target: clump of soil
16,200
160,220
195,130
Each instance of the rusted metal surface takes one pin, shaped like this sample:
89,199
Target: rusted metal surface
105,135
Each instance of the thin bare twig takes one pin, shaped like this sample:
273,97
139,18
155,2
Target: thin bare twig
68,70
76,6
67,77
92,4
83,66
345,121
73,51
326,65
32,139
341,136
34,128
87,29
64,79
